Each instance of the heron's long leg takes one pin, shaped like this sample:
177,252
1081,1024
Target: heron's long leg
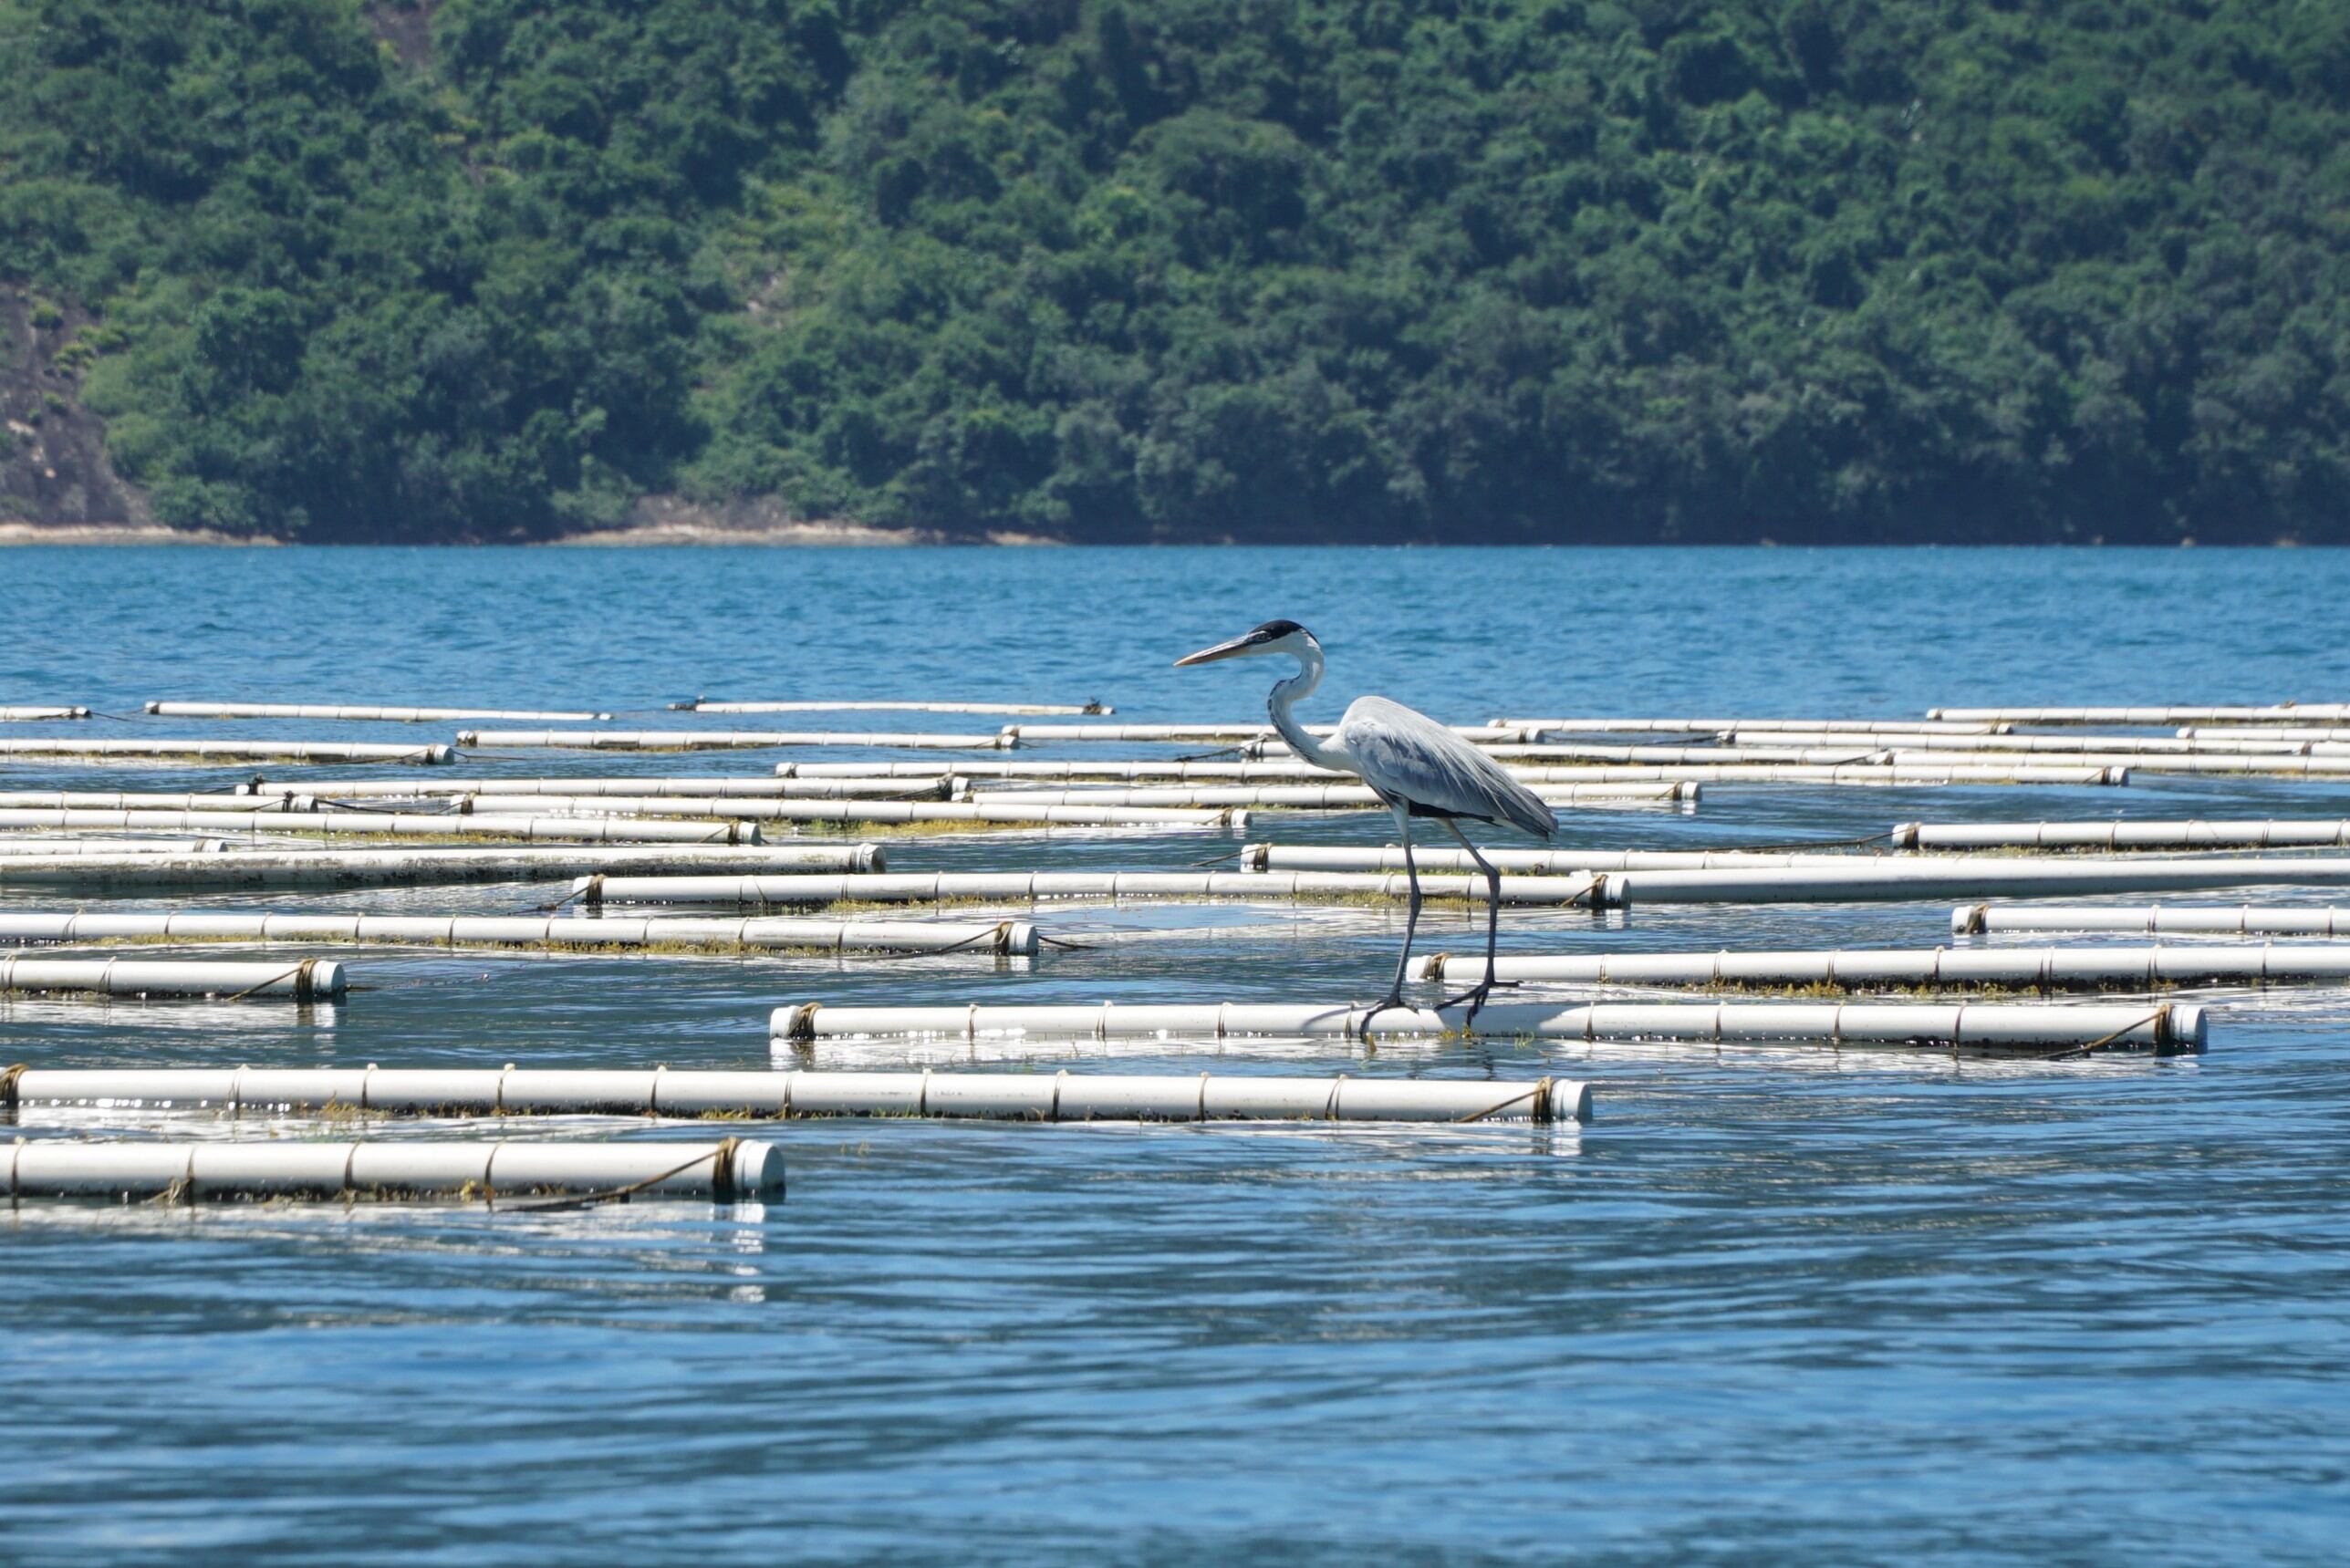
1475,995
1393,997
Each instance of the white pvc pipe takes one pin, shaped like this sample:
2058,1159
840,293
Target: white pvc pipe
139,977
2039,969
2262,733
714,740
940,785
1009,938
927,811
23,715
2242,920
187,1172
1051,734
331,867
562,829
2170,1027
1554,862
1284,768
931,886
2062,746
2152,761
1865,750
1311,797
2278,713
1885,880
2246,835
341,711
32,844
95,800
98,747
1016,1096
743,808
1717,726
1047,710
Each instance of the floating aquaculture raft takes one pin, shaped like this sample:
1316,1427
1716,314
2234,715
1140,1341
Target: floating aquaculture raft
2022,968
331,928
1989,1025
339,710
194,1172
131,977
1016,1096
2242,920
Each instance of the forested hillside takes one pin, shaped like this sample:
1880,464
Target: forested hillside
1190,269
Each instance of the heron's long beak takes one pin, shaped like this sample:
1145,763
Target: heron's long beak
1232,649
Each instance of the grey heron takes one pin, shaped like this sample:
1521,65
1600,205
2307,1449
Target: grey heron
1415,765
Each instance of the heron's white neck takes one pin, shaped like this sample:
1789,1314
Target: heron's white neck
1286,695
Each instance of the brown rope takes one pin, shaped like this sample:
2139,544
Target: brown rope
722,1184
1539,1093
9,1076
302,974
2160,1017
592,891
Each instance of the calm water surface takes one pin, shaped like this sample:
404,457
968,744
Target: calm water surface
1767,1306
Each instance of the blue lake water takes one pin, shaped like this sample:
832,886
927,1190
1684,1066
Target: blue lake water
1788,1305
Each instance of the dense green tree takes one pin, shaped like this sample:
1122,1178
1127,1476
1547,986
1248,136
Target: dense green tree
1269,269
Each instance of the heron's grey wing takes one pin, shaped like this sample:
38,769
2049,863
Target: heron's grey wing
1407,754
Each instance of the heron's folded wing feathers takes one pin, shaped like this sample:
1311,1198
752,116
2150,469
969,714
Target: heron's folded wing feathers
1408,755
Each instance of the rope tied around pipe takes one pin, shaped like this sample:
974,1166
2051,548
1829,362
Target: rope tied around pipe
592,889
303,975
10,1077
2159,1018
722,1184
1540,1111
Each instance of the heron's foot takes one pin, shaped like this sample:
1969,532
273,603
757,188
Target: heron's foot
1472,999
1393,999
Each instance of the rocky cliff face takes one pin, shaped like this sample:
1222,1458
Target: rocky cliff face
53,466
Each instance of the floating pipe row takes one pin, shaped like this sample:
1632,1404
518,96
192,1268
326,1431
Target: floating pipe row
127,800
1936,771
190,1172
2262,733
2059,745
2274,712
132,977
1005,938
1314,797
1050,735
51,848
714,740
2243,920
2152,761
1884,879
328,867
2038,969
22,715
736,807
101,747
1015,1097
2247,835
564,829
2170,1027
338,710
704,705
1545,727
1554,862
931,886
940,785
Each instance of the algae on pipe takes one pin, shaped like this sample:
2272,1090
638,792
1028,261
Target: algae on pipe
342,867
2240,920
130,977
337,711
714,740
933,887
1991,1025
108,747
2141,835
214,1170
2021,969
794,1093
1001,938
704,705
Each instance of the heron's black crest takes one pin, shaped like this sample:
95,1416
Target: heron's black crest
1273,630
